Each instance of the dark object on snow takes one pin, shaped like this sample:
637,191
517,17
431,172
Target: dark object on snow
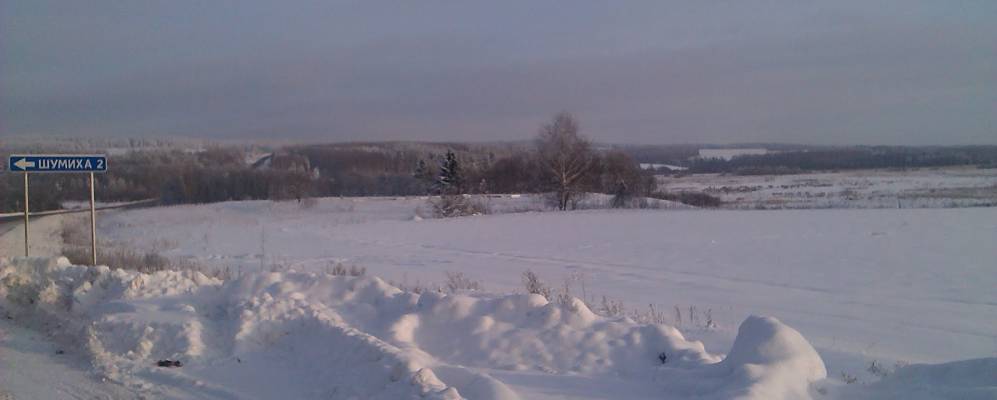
60,351
662,357
169,363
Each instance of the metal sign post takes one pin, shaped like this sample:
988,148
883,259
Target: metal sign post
25,213
61,163
93,221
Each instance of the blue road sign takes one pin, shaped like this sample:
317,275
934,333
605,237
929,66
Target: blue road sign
57,163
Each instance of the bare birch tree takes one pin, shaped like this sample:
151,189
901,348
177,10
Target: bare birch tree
565,156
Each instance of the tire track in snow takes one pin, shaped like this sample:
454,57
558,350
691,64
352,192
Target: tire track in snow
31,369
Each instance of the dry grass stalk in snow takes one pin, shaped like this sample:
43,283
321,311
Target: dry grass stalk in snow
456,282
340,270
534,285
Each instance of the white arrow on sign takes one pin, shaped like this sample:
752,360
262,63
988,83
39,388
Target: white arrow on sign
24,163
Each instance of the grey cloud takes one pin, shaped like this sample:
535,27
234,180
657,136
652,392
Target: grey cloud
648,72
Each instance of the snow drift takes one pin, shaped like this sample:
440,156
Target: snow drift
315,335
974,379
770,360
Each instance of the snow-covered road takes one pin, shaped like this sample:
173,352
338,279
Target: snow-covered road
33,367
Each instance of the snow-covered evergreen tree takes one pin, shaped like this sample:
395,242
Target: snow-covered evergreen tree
424,176
421,170
450,181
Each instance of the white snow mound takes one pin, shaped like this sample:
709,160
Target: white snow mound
315,335
769,360
773,360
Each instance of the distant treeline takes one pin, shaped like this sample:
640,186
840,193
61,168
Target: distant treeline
407,169
173,176
786,158
356,169
390,169
823,159
202,175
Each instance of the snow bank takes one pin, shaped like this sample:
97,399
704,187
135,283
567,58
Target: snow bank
525,332
315,335
250,345
768,360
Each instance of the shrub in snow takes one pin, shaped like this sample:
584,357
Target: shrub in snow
340,270
710,324
308,203
649,316
456,281
456,205
696,199
76,248
878,370
612,308
450,186
534,285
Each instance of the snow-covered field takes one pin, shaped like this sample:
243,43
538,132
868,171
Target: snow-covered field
894,286
918,188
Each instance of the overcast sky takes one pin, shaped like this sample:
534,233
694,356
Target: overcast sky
701,71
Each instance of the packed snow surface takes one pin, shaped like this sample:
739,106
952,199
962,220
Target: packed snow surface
34,367
974,379
316,335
